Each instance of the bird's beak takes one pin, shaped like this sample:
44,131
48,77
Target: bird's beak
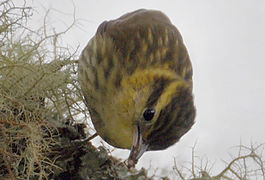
138,147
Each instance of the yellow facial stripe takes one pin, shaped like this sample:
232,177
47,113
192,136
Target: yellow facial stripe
165,99
170,92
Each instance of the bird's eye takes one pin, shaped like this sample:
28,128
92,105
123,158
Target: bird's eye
149,114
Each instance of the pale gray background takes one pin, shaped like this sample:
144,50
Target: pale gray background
226,43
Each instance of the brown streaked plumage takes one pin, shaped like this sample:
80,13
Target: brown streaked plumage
136,77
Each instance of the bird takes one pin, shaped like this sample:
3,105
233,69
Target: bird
135,75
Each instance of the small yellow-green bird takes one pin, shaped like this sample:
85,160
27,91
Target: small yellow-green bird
136,78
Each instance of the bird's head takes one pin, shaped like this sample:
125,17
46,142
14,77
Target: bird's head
158,105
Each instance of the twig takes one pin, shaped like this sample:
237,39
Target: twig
178,171
86,139
230,164
7,165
